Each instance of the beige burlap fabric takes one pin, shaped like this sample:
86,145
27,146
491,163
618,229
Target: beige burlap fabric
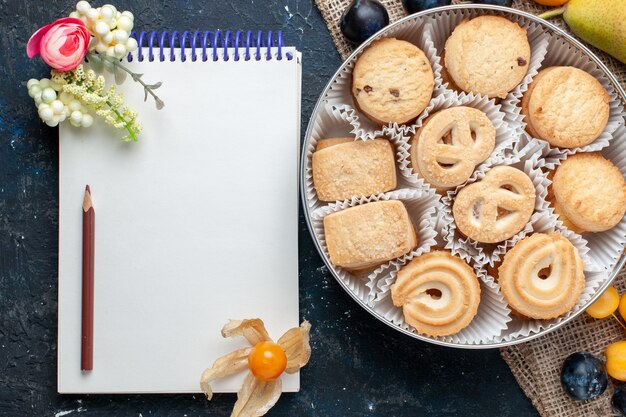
536,364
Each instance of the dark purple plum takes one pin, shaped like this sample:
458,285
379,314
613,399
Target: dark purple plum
362,19
506,3
583,376
414,6
619,399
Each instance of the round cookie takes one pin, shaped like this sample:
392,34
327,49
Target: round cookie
542,276
526,99
590,192
567,107
392,81
487,55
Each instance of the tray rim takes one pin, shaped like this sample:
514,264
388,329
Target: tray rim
307,213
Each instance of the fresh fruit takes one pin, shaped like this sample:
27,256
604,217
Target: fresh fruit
605,305
267,361
414,6
616,360
551,2
362,19
599,22
583,376
622,307
619,399
506,3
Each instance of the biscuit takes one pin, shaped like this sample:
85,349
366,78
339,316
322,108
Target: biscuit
365,236
557,207
542,277
439,293
487,55
495,208
590,192
449,145
526,98
392,81
567,107
344,169
327,143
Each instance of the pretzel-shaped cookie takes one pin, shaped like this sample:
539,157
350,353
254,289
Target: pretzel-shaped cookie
438,292
542,276
496,208
450,144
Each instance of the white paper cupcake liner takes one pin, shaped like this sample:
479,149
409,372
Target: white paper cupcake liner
481,253
546,157
561,53
340,95
505,137
421,206
606,247
490,320
335,122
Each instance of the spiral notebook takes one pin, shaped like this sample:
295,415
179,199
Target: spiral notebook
196,223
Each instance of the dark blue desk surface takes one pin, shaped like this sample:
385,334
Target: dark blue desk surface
359,367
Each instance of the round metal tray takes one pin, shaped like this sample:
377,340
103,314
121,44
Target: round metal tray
320,102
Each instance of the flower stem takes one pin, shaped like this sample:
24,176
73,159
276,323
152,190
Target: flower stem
552,13
136,77
131,132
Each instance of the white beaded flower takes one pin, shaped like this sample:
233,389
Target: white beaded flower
110,29
55,105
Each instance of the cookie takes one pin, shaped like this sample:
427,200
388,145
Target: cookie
449,145
542,277
439,293
392,81
352,168
495,208
589,192
363,237
526,98
557,207
327,143
566,106
487,55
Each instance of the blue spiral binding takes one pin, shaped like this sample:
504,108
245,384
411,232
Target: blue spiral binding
213,41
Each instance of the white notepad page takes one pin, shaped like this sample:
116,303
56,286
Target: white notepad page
196,223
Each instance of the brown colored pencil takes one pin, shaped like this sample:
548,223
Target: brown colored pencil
89,224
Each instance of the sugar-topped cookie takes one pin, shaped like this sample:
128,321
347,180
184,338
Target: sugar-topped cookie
345,168
362,237
497,207
449,145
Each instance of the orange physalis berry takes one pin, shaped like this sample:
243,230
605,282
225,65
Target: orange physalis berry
616,360
605,305
622,307
267,361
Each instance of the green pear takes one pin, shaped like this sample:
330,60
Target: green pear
601,23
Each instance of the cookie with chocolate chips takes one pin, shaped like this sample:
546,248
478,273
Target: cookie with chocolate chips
392,81
487,55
